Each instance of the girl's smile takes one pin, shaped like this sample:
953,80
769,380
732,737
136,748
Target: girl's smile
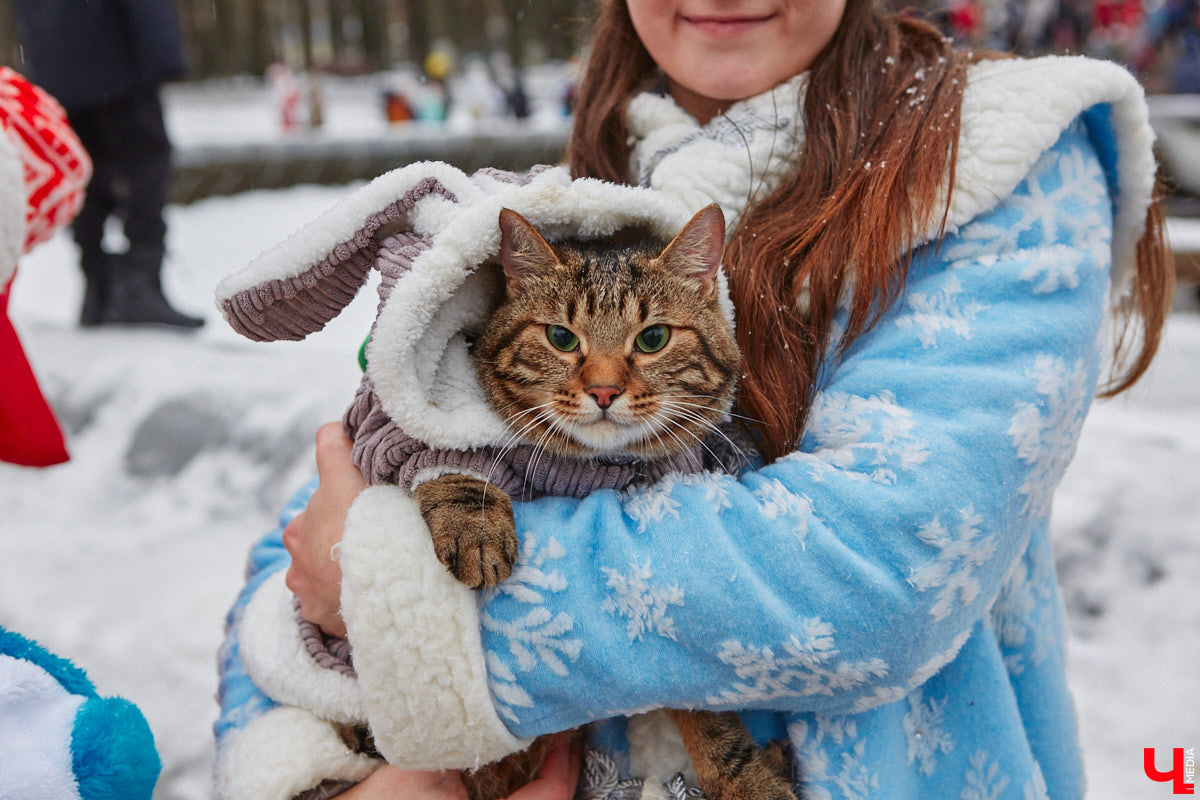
716,52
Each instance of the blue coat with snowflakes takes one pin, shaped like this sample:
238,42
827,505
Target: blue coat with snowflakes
885,597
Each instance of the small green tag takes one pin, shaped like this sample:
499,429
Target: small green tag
362,354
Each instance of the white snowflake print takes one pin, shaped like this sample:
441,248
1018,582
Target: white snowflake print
1050,245
1023,614
656,502
775,501
924,725
1035,788
530,576
536,638
984,781
870,437
882,696
649,504
931,314
808,664
934,665
715,486
643,604
811,742
1045,433
854,780
952,571
503,683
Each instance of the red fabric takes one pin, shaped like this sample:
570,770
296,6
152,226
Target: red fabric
29,434
57,169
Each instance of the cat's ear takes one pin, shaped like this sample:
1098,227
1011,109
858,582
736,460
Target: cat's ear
695,252
523,251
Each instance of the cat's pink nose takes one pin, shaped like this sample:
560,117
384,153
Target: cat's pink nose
604,394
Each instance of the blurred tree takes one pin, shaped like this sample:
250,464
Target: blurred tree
374,16
10,52
237,37
418,30
305,24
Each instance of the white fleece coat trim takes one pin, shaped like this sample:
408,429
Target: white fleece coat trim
422,630
1013,111
12,208
37,719
282,753
275,657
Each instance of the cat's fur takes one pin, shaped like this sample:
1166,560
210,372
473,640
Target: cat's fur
602,349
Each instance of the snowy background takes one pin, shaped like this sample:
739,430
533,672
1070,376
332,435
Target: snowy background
184,446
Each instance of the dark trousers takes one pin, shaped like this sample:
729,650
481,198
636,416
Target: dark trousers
131,155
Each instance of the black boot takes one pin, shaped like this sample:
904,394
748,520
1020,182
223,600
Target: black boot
95,294
135,294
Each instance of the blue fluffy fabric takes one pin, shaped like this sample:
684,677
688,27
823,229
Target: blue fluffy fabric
113,751
71,677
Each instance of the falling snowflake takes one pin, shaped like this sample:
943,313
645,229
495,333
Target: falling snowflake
807,665
983,779
940,311
952,571
644,605
1045,432
868,436
924,725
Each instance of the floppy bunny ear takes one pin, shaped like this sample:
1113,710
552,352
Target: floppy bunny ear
695,252
291,308
285,294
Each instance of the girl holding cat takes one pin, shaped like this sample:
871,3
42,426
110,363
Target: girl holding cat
927,251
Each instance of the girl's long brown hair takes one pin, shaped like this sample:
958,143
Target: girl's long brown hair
881,119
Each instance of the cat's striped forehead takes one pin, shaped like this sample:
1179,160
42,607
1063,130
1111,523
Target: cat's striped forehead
606,281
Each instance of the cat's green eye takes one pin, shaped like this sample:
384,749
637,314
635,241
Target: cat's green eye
562,338
653,338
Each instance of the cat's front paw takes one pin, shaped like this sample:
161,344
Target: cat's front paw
471,523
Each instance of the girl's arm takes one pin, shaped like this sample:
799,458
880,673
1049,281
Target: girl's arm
835,579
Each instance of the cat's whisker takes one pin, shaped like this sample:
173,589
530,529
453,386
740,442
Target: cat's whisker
699,439
514,439
680,409
676,398
538,449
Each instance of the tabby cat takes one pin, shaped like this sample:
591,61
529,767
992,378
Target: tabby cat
602,349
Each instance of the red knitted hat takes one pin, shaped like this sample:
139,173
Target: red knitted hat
43,172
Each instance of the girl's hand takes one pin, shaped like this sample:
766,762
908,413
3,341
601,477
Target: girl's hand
312,536
555,781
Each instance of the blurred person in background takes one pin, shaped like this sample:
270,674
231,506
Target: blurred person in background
105,60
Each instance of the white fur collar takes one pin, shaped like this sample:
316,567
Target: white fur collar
1013,111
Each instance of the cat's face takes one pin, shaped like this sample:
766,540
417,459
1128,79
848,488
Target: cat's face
602,348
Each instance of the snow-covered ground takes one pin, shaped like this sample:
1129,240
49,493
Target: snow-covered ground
185,445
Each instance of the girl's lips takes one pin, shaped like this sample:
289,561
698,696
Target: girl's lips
717,25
